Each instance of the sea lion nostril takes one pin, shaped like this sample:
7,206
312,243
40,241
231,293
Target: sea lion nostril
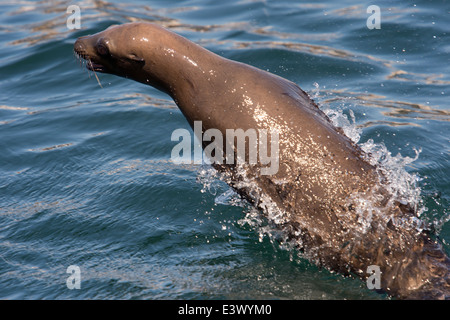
79,46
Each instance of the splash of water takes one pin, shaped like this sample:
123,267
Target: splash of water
401,184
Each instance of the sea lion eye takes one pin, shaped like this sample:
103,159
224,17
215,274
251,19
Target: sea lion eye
102,48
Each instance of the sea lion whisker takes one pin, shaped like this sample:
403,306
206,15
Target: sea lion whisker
91,68
83,58
98,80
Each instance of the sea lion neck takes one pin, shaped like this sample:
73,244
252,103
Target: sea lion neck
151,55
178,66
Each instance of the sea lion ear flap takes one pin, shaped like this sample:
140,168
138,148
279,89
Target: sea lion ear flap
133,57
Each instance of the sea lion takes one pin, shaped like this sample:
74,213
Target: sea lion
320,193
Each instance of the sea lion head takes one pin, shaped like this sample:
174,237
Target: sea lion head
141,51
117,50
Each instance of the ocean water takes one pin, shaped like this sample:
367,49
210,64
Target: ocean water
85,173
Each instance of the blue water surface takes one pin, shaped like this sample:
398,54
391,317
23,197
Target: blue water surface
85,171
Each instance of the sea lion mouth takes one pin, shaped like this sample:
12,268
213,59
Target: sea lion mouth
90,64
94,66
82,55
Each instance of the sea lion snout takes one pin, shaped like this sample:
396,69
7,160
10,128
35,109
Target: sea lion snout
79,46
83,48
